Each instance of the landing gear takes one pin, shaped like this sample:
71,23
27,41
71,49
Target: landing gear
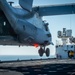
47,52
42,50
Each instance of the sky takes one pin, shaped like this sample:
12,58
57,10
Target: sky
56,23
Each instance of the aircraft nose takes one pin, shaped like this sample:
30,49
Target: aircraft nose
50,38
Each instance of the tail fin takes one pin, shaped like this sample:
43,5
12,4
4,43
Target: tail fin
26,4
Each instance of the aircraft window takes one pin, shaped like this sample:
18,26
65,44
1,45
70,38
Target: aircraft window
24,27
4,23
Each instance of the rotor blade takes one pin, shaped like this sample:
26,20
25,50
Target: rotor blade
26,4
55,10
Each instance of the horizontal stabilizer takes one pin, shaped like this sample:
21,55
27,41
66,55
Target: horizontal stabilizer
26,4
55,10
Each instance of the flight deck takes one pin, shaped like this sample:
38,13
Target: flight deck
38,67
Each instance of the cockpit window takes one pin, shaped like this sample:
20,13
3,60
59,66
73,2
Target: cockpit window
46,26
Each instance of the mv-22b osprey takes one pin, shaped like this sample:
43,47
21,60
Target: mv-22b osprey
24,26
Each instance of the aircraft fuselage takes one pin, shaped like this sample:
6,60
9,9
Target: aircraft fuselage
28,26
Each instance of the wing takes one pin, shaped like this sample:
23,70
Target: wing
26,4
55,10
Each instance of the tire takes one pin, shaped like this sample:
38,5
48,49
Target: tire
41,52
47,52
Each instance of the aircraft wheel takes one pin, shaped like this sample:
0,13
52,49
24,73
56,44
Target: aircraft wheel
41,52
47,52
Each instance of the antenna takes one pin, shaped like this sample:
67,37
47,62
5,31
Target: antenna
11,3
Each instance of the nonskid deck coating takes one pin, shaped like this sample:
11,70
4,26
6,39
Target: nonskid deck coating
38,67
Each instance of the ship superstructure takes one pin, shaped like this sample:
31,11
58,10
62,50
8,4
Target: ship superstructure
65,47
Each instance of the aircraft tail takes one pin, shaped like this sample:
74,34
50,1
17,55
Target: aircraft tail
26,4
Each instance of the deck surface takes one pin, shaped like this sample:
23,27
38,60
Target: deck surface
38,67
